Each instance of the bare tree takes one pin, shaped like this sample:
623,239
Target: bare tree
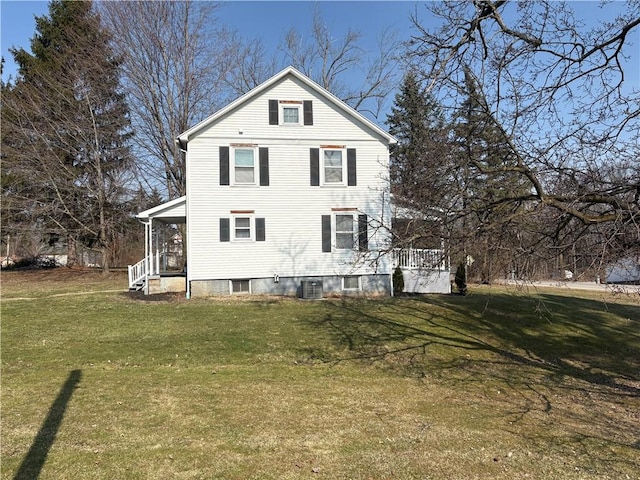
172,57
363,79
328,60
249,66
557,90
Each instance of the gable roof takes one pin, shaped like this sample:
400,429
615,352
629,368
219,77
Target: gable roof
173,211
184,137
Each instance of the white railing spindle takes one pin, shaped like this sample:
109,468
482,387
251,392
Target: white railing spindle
419,258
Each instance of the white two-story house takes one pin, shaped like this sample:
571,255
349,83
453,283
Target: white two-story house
287,191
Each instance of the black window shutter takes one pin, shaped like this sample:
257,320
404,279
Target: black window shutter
315,167
224,165
224,230
351,167
326,233
363,233
260,230
273,112
264,166
308,112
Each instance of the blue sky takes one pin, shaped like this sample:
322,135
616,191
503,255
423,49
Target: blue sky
268,20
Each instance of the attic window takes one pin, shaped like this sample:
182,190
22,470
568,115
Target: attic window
291,115
290,112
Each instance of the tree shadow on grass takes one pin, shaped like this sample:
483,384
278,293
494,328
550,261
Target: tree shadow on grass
33,462
581,339
576,338
546,351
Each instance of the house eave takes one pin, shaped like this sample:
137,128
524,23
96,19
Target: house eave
167,212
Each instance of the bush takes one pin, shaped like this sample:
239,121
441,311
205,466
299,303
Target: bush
398,281
461,278
29,263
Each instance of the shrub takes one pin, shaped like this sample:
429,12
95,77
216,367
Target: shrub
398,281
461,278
29,263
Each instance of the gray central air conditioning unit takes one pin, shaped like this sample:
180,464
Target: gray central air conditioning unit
311,289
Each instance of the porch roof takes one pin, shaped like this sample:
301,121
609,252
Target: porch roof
173,211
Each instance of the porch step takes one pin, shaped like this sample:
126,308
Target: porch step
137,287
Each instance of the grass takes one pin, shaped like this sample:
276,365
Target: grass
100,384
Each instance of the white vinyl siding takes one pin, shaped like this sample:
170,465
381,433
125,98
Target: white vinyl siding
252,119
291,208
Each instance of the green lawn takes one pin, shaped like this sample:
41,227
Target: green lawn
100,384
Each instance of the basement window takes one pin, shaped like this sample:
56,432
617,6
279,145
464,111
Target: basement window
351,282
240,286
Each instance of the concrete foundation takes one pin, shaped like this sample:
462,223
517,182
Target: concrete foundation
426,281
176,284
290,286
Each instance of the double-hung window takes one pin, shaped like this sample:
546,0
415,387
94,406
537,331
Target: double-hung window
333,166
244,166
345,232
242,228
345,229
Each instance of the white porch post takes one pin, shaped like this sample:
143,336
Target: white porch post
149,248
146,247
147,235
158,250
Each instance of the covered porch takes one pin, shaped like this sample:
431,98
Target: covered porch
423,270
163,268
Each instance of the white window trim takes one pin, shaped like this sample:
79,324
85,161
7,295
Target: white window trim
232,166
334,231
231,292
357,289
282,104
344,168
252,228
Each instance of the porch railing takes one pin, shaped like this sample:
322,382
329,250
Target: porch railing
139,272
433,259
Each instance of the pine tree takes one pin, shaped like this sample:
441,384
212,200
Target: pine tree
70,127
419,170
487,184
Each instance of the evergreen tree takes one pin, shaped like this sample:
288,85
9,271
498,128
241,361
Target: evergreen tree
490,190
69,128
419,168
